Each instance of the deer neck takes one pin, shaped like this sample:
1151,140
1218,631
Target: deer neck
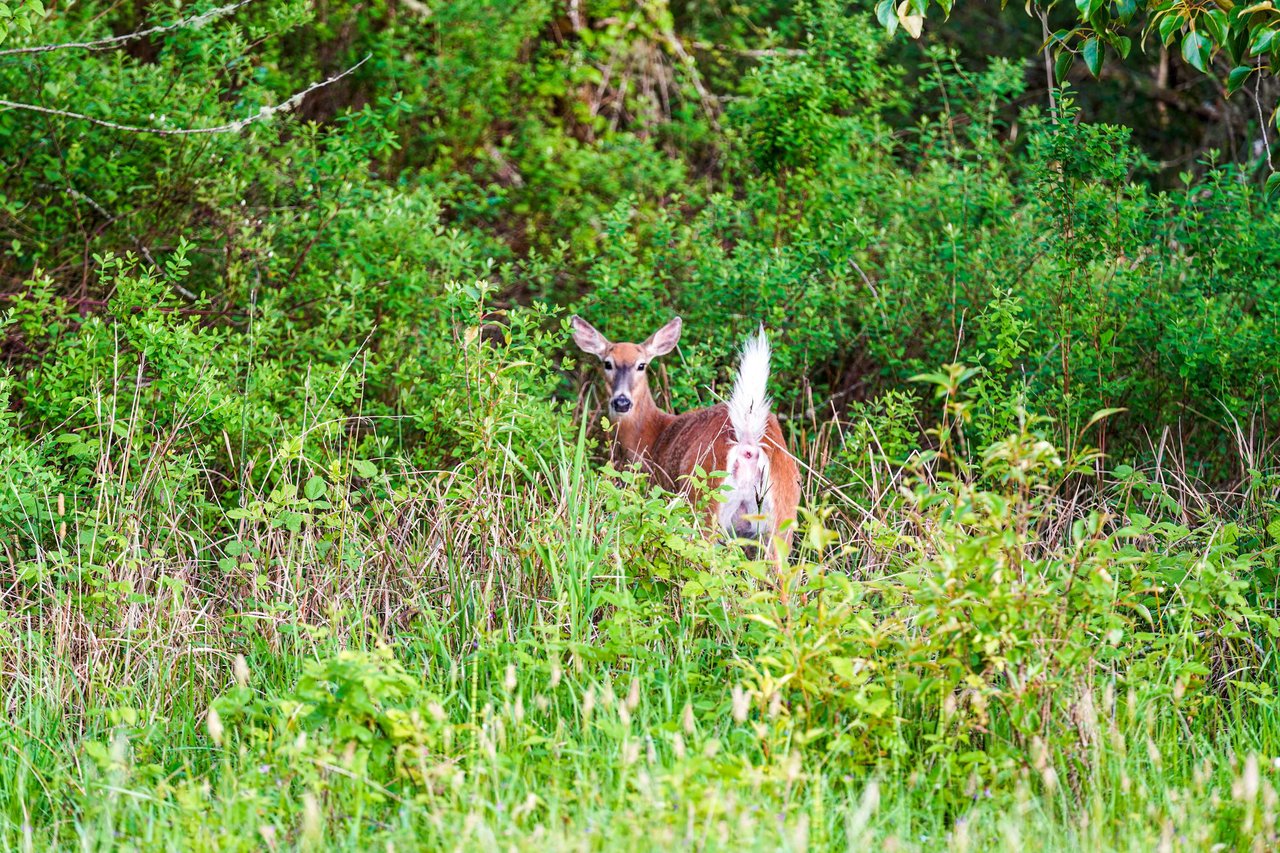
640,429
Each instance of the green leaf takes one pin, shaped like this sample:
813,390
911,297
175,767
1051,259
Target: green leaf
887,15
1272,186
1093,56
1215,21
1195,50
1237,77
1170,24
1103,413
365,468
290,520
315,488
1122,44
1262,42
1062,66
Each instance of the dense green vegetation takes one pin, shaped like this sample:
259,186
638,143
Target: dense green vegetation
307,535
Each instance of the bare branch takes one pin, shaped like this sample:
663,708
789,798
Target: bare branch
233,127
103,44
752,53
1262,120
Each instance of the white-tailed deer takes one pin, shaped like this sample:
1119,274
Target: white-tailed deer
741,437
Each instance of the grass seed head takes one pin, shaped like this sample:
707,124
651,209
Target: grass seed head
214,723
509,679
241,669
1153,753
741,704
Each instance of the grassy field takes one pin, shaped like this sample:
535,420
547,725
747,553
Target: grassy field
530,653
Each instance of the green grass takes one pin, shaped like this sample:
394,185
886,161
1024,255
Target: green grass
545,659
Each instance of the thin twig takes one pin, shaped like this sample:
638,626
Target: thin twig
103,44
1262,120
233,127
1048,66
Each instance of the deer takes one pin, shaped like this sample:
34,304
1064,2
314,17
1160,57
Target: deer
741,438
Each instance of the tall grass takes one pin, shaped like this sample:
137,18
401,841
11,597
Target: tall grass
528,652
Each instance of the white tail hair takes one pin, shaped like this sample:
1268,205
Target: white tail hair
748,502
749,404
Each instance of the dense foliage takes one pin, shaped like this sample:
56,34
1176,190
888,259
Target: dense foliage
1244,33
306,532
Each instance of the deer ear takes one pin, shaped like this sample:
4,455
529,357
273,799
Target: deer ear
665,339
587,338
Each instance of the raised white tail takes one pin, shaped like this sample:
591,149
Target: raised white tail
749,405
747,507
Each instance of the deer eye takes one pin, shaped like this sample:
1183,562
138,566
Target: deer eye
608,364
640,367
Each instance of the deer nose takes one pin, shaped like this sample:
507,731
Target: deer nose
621,404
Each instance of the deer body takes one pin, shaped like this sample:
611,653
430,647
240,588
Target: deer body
741,437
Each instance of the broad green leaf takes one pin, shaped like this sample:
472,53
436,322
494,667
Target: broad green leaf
1062,66
1215,21
1195,50
315,488
1169,24
1262,42
1093,56
290,520
887,15
1237,77
1272,186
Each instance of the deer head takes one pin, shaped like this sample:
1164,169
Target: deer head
626,364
